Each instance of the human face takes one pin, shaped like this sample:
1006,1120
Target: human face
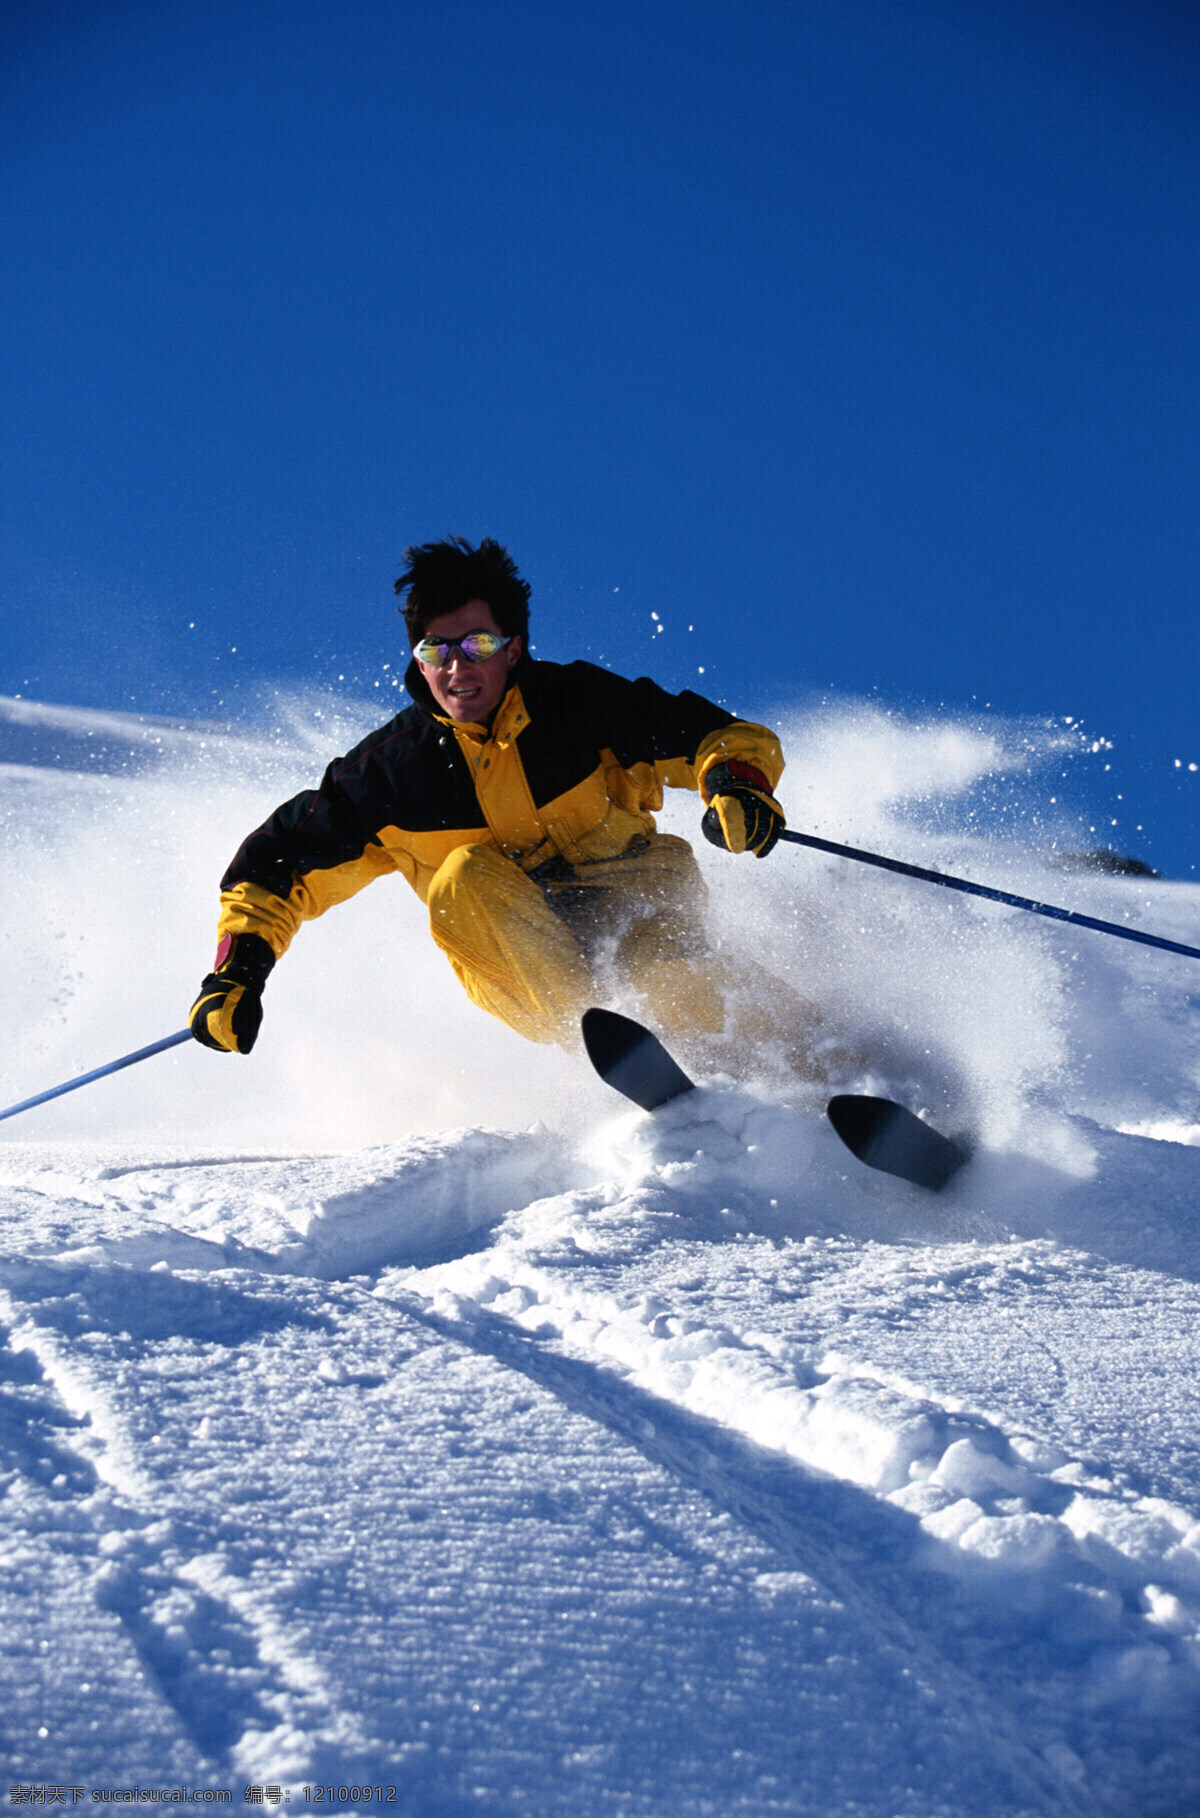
465,691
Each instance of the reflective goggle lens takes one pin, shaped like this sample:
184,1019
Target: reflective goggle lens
477,647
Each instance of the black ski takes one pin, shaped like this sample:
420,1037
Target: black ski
879,1132
630,1059
886,1136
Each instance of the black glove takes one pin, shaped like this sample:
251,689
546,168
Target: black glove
742,814
227,1015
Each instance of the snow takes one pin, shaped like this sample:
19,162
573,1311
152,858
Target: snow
398,1409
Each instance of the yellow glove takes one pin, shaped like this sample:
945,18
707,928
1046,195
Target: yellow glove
742,814
227,1015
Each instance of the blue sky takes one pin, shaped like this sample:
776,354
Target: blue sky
860,337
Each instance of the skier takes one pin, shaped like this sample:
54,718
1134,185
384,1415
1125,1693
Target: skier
516,797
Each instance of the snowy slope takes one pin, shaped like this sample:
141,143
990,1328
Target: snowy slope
398,1409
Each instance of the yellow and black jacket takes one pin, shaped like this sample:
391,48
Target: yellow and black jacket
571,769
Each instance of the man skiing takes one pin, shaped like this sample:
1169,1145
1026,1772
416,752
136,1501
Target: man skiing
516,797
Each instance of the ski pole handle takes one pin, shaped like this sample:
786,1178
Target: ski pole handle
994,896
85,1079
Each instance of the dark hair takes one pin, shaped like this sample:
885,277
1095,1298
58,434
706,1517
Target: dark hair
441,577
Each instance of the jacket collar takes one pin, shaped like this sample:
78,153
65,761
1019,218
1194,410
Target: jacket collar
510,716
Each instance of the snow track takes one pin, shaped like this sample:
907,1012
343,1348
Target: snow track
1033,1550
224,1681
888,1480
661,1556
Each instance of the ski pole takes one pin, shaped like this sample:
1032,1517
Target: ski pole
995,896
85,1079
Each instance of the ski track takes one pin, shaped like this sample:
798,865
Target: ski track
1048,1554
1025,1590
222,1682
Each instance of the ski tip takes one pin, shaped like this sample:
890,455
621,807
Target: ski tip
886,1136
632,1060
606,1032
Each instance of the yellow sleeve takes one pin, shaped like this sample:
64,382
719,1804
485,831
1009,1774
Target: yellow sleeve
249,909
742,739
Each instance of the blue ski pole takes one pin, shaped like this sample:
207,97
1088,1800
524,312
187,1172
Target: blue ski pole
85,1079
995,896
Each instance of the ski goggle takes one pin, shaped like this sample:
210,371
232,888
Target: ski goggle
477,647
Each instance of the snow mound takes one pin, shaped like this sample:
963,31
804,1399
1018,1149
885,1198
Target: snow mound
327,1216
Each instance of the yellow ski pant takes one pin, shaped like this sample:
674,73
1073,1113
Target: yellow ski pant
530,953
